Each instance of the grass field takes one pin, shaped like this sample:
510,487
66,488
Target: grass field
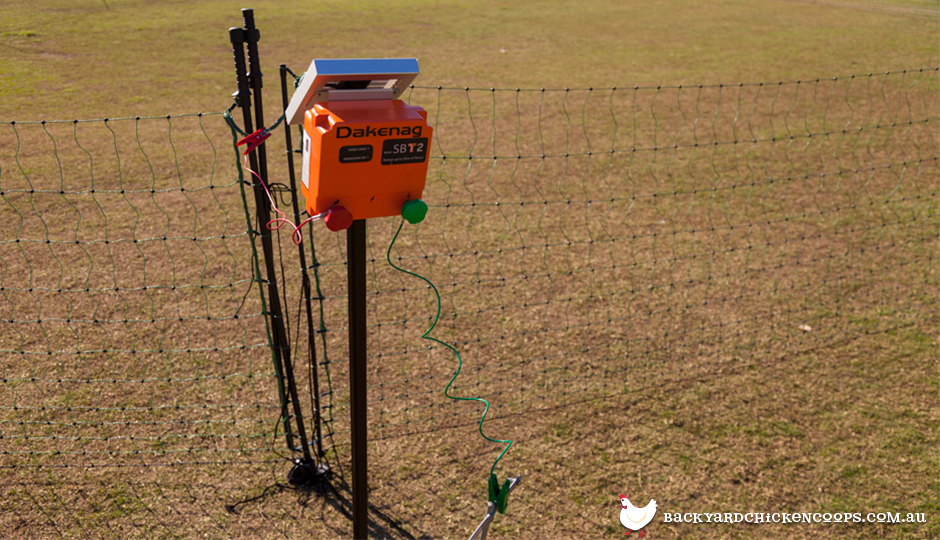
733,309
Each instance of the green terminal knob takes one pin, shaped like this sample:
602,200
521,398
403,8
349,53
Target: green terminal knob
414,211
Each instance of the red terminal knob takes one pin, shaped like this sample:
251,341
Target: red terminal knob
338,219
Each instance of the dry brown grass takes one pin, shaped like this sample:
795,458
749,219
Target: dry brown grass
746,326
826,431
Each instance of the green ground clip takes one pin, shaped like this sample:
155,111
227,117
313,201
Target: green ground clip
502,498
497,494
493,488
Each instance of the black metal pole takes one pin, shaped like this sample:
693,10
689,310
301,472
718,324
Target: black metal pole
252,35
305,276
356,271
237,36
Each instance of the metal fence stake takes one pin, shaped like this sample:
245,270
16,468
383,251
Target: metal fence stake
306,288
356,271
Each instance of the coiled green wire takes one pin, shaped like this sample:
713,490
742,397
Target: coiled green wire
388,257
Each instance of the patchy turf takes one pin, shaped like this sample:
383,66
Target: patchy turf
721,330
830,431
88,58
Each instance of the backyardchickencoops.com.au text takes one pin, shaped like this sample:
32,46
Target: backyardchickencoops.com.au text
786,517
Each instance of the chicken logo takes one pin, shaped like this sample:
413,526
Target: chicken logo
634,518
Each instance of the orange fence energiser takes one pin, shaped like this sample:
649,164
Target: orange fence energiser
365,152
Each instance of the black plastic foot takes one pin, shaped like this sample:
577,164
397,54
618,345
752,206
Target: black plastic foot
306,472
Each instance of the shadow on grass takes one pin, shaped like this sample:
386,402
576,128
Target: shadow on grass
332,491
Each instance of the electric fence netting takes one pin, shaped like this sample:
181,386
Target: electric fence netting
129,333
593,242
586,243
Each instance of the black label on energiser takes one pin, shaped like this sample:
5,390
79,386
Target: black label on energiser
355,154
400,151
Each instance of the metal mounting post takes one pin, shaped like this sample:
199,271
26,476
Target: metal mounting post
356,271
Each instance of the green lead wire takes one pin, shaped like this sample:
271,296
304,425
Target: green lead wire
388,257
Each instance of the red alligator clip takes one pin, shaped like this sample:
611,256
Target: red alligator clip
254,139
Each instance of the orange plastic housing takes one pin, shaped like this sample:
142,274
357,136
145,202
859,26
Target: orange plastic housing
367,156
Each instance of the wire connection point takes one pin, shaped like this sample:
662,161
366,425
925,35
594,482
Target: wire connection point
254,140
414,211
338,218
